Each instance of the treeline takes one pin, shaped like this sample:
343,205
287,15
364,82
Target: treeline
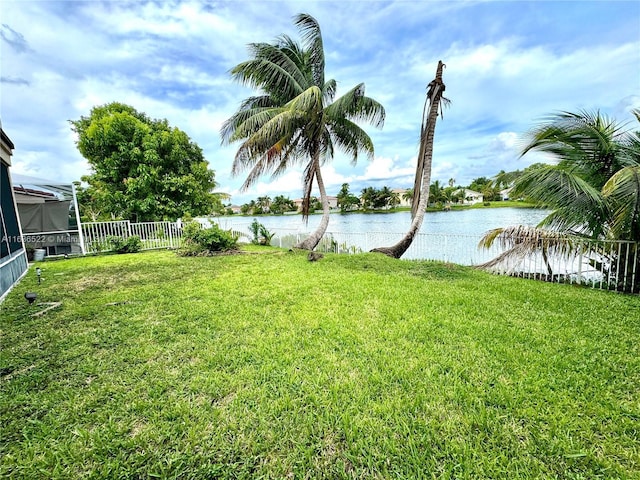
385,198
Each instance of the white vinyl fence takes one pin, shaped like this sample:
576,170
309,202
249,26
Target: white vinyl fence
154,235
607,265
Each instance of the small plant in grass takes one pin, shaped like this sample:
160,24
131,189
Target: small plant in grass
205,241
132,244
261,236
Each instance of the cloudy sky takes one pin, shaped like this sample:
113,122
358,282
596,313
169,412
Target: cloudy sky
509,64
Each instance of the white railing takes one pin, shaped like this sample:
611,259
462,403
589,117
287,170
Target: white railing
606,265
154,235
611,265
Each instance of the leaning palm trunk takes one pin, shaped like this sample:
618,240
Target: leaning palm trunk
423,168
312,240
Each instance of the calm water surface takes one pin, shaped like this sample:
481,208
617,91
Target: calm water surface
448,236
462,222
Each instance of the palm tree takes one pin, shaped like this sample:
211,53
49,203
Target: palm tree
296,119
408,195
435,192
264,203
593,190
432,107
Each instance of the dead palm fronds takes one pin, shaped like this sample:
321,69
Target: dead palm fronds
520,242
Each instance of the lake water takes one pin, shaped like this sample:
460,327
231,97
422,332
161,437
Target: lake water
449,236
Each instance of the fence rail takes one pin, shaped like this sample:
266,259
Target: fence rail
607,265
154,235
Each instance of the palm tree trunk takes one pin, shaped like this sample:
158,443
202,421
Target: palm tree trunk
423,168
312,240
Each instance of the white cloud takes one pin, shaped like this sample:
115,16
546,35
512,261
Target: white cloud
171,60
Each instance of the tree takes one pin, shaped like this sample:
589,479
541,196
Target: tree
385,198
394,200
479,184
433,106
593,190
368,198
436,192
297,119
264,204
346,200
281,204
408,195
142,169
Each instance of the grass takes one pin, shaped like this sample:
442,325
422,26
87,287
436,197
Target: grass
265,365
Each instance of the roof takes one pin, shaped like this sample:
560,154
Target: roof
31,191
6,140
63,189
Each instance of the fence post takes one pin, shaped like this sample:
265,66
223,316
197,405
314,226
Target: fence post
580,268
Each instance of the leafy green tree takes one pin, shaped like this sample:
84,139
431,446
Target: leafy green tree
281,204
142,169
479,184
247,208
368,198
385,198
89,203
264,204
297,119
378,198
593,190
346,200
315,204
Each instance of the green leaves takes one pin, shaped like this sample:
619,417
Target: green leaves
623,192
295,121
593,189
143,169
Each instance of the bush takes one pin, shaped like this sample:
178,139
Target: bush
132,244
203,241
261,236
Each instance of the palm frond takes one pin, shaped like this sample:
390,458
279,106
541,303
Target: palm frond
271,70
576,203
521,241
587,143
351,139
356,106
329,91
308,101
312,40
623,191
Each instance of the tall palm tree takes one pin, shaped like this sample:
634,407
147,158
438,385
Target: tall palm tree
297,119
593,190
434,103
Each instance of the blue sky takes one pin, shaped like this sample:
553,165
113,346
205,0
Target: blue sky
508,63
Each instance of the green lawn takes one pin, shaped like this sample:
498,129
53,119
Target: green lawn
265,365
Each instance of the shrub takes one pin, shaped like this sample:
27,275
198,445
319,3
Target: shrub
261,236
203,241
132,244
